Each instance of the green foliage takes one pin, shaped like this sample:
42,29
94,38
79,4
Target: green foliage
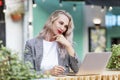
11,68
114,62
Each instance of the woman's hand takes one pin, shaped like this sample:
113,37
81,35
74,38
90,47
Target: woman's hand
56,70
62,40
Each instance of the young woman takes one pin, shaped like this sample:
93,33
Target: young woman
52,51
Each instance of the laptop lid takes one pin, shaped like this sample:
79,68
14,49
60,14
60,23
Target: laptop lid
94,63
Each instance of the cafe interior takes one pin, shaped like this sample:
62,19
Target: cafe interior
97,26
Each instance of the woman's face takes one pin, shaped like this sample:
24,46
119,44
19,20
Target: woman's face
60,25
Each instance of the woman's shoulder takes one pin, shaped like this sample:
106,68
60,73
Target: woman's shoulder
33,40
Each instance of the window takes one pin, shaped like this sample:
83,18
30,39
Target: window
110,20
118,20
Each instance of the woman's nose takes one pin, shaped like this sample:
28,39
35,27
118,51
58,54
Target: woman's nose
62,27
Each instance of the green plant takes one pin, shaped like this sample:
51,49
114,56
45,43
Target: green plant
114,62
12,68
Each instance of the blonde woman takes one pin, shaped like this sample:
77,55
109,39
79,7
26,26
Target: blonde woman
52,51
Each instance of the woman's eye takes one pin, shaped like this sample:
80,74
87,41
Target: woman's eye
61,23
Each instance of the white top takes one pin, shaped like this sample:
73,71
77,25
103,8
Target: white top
50,55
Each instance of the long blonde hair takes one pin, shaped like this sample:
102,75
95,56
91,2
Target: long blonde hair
68,34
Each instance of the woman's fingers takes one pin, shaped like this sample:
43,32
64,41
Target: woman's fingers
61,68
57,70
57,37
60,38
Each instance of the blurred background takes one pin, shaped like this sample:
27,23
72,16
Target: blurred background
97,22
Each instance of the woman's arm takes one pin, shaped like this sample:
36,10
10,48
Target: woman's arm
73,60
74,63
62,40
28,56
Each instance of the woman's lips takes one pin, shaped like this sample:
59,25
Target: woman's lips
59,31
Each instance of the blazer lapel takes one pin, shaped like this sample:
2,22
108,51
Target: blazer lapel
39,53
60,59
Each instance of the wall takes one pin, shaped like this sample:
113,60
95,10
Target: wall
89,14
13,29
112,32
39,18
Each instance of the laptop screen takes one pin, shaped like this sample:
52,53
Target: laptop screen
94,63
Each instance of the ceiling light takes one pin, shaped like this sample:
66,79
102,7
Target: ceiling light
60,3
97,21
74,7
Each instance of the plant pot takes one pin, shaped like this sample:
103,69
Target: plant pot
16,17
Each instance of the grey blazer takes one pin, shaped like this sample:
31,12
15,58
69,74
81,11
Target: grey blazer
34,54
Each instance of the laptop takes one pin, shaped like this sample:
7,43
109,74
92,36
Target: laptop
94,63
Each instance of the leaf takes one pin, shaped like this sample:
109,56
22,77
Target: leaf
11,68
114,62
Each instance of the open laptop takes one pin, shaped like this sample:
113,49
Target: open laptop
94,63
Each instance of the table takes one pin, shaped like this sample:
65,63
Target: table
106,75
